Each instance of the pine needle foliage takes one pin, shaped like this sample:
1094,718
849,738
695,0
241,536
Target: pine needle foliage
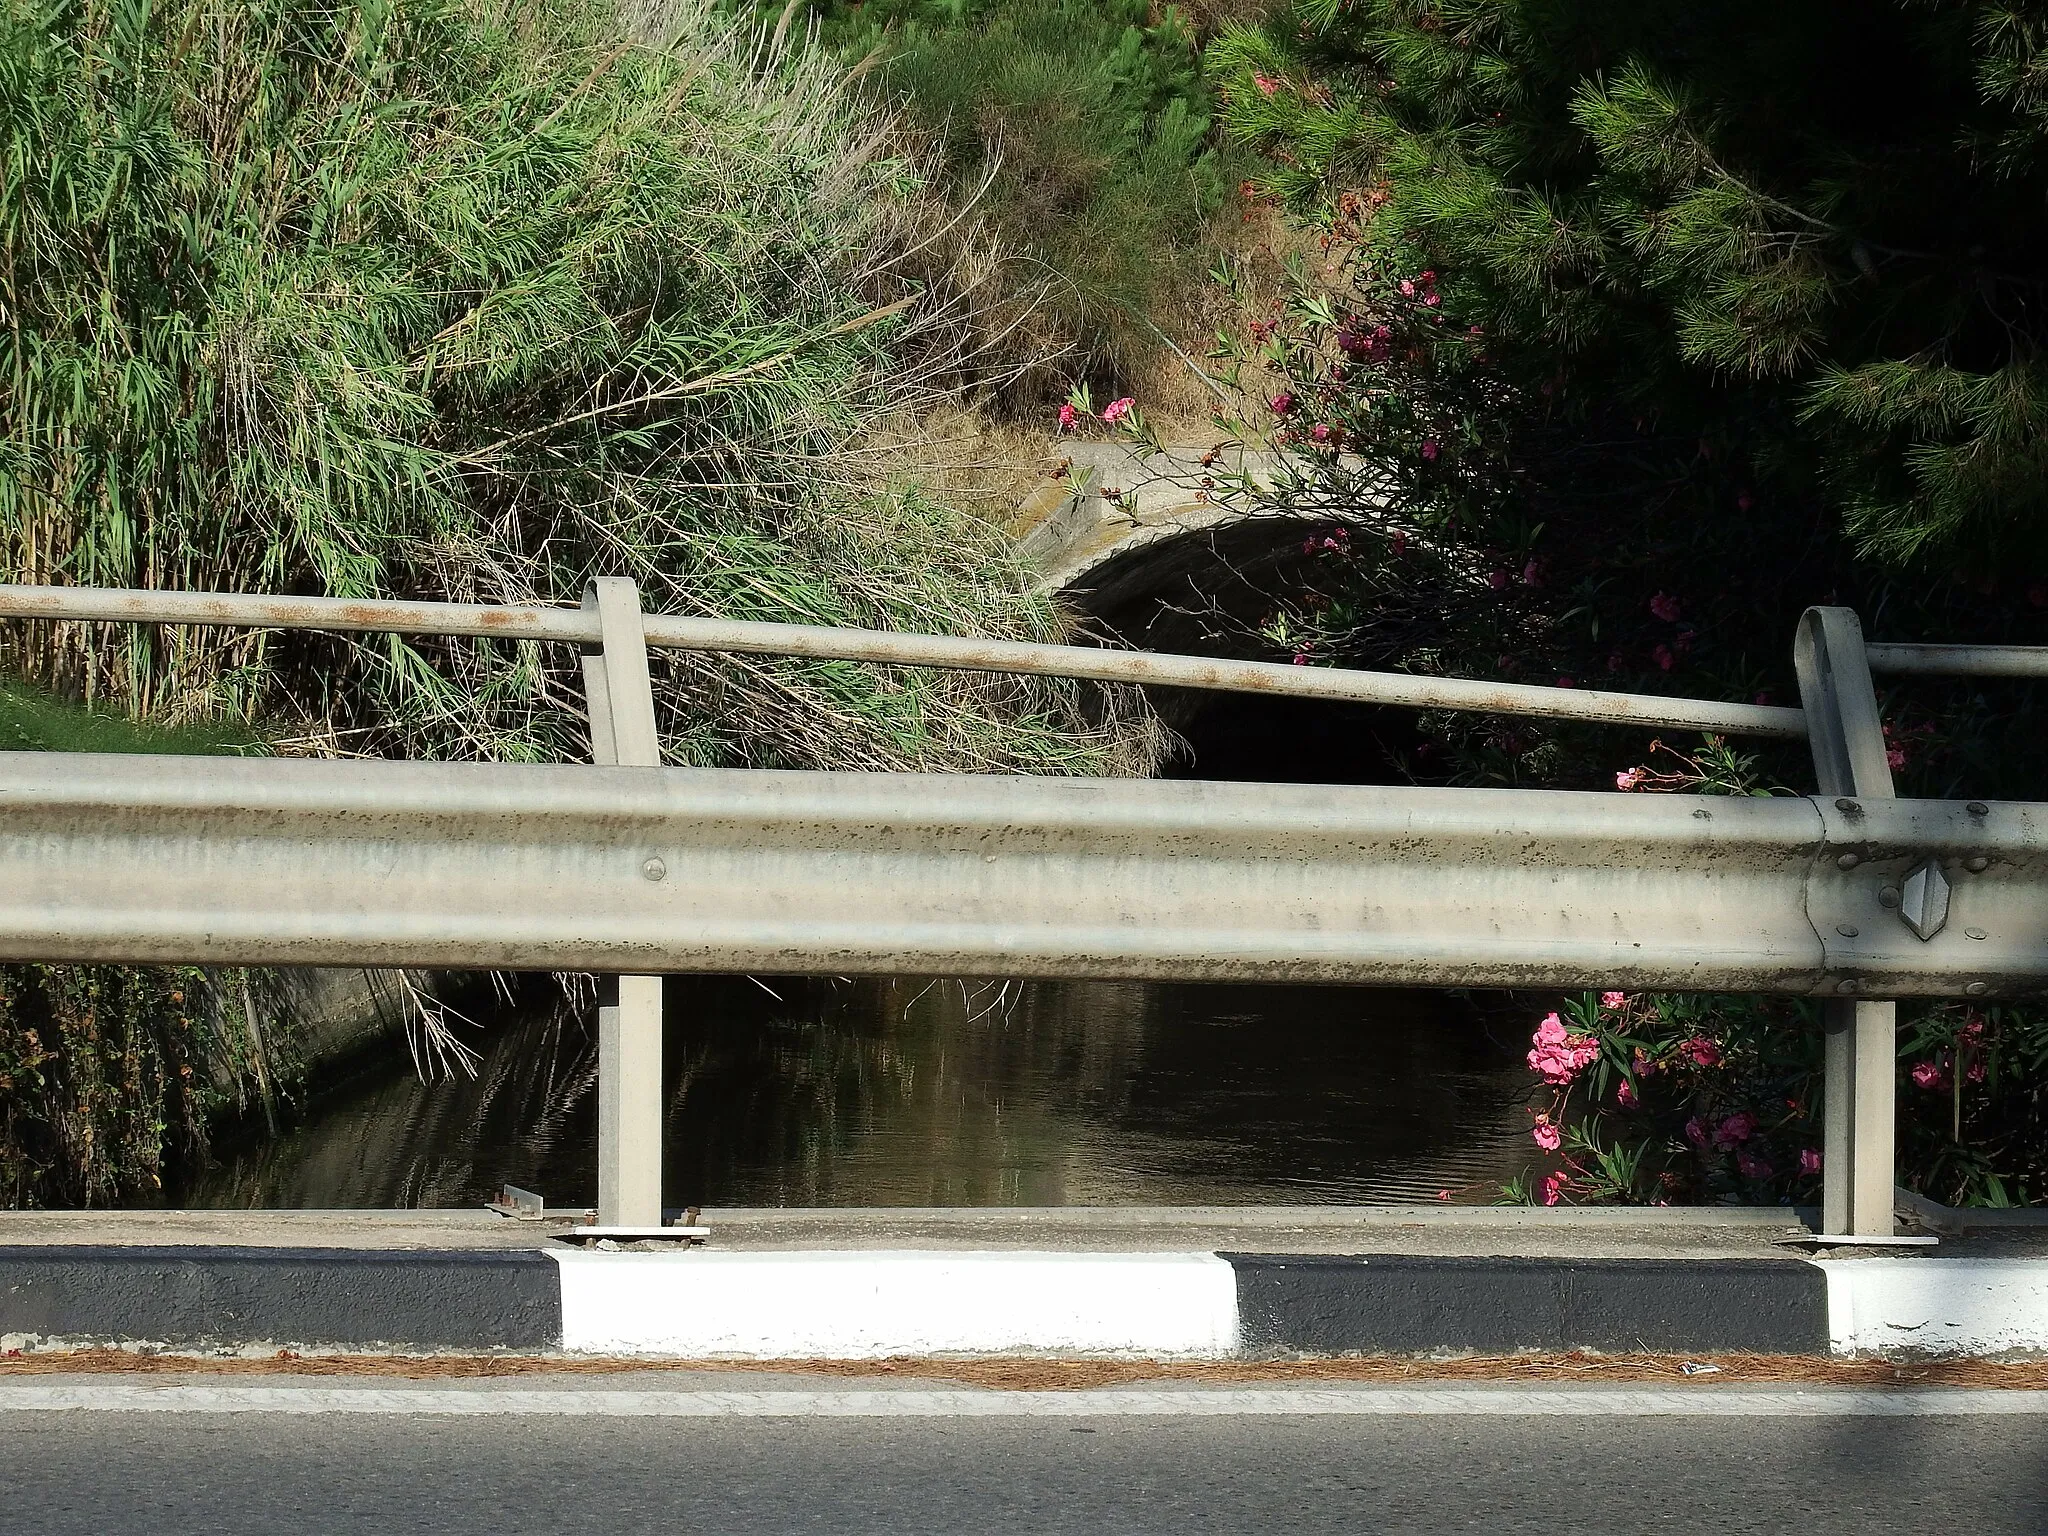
474,301
1826,221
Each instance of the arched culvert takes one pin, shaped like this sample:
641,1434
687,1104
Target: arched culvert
1168,553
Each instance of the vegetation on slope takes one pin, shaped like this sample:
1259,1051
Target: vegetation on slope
474,302
1083,131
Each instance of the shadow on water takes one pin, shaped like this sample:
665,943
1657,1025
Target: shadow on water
944,1093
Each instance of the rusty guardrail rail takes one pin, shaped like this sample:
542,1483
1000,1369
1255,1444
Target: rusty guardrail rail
1852,895
662,632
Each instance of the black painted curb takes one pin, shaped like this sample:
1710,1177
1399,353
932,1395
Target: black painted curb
423,1298
1405,1304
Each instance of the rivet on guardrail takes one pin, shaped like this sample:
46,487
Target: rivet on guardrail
1847,930
1978,865
1975,933
1849,861
1846,984
1888,897
654,869
1923,900
1978,808
1977,988
1849,806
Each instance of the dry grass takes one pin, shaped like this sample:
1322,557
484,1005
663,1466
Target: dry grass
1032,1374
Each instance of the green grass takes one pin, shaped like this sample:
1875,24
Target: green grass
34,721
1082,129
474,301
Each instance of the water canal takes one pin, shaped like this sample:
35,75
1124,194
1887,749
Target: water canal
919,1093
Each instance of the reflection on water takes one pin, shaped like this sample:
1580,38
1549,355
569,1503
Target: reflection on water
943,1093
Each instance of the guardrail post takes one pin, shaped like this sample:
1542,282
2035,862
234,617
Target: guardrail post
1861,1037
620,697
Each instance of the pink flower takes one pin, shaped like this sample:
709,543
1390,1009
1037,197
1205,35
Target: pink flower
1433,300
1665,607
1972,1030
1927,1074
1443,1194
1266,83
1661,655
1282,403
1625,1095
1117,410
1429,449
1301,658
1700,1051
1628,778
1545,1135
1532,574
1560,1055
1567,682
1067,417
1735,1130
1751,1165
1895,758
1695,1132
1613,1000
1497,580
1407,288
1319,432
1553,1188
1976,1072
1809,1161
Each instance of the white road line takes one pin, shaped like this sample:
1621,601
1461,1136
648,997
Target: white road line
1453,1402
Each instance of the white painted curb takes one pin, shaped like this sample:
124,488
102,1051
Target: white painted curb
1937,1306
852,1306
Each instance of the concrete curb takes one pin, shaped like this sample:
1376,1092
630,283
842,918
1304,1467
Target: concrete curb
868,1304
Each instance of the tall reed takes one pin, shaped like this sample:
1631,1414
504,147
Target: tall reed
473,299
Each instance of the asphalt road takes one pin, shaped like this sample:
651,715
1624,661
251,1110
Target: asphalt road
228,1473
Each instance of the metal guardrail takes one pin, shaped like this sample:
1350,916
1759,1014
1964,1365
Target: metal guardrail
580,626
520,867
1852,895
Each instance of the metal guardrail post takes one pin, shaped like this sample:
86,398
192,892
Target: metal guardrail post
1861,1044
620,697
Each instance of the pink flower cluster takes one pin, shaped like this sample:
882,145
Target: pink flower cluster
1559,1054
1553,1188
1700,1051
1337,542
1117,410
1546,1134
1735,1130
1374,346
1629,778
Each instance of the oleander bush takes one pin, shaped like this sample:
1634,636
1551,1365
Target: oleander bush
1631,332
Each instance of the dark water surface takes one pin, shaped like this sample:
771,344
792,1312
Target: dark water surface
944,1093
